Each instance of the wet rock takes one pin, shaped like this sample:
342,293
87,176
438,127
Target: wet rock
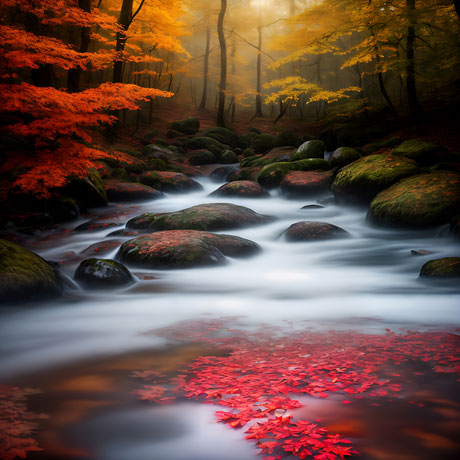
101,248
223,135
130,191
221,173
87,191
169,181
261,143
241,188
202,157
210,216
419,150
361,180
313,231
419,201
244,174
95,226
420,252
102,273
25,275
187,126
446,267
306,183
343,156
206,143
312,206
184,249
310,149
278,154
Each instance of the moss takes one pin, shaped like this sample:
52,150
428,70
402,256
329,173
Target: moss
447,267
374,146
261,143
223,135
207,143
188,126
344,156
24,275
418,150
311,164
229,157
202,157
248,152
422,200
286,138
309,149
272,175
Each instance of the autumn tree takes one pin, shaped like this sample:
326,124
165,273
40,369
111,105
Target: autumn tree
223,64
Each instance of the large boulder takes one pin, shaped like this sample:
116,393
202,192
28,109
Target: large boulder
381,144
25,275
101,248
102,273
306,183
262,143
187,126
287,138
364,178
309,149
278,154
183,249
209,217
88,191
343,156
206,143
130,191
420,201
244,174
229,157
446,267
202,157
241,188
169,181
423,152
223,135
313,231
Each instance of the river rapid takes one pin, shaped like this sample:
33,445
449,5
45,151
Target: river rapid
367,282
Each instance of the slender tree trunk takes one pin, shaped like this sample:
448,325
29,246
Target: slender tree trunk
124,20
384,92
206,69
412,99
74,75
259,112
223,64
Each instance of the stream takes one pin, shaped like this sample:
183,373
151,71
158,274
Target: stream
80,350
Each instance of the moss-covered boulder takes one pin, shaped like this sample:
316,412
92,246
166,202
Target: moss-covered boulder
244,174
202,157
262,143
248,152
287,138
102,274
88,191
364,178
306,183
209,217
343,156
169,181
95,226
187,126
229,157
223,135
309,149
242,189
206,143
275,155
24,275
313,231
447,267
423,152
183,249
221,173
382,144
419,201
130,191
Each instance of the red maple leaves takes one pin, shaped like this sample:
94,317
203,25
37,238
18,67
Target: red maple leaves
256,380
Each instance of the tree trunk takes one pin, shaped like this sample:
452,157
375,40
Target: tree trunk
414,106
206,69
74,75
457,7
124,20
259,75
223,64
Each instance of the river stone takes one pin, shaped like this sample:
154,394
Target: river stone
25,275
229,157
209,217
244,174
241,188
306,183
101,248
419,150
130,191
183,249
420,201
446,267
102,273
187,126
221,173
313,231
309,149
343,156
87,191
261,143
202,157
169,181
206,143
364,178
95,226
275,155
223,135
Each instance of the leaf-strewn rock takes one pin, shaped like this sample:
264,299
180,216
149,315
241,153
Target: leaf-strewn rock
169,181
306,183
241,188
130,191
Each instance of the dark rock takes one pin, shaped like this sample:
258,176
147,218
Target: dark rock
102,273
306,183
287,138
158,152
206,143
130,191
419,201
202,157
420,252
221,173
94,226
363,179
312,206
446,267
313,231
173,134
383,144
187,126
101,248
343,156
263,142
244,174
248,152
309,149
276,155
454,227
149,136
169,181
184,249
223,135
87,191
241,188
421,151
25,275
229,157
209,217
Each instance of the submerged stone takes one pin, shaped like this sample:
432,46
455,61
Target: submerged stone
313,231
446,267
102,273
241,188
130,191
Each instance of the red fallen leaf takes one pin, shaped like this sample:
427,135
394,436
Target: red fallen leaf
345,401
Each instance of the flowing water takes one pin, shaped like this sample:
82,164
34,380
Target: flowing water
78,349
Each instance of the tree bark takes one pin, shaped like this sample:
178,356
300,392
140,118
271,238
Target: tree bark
259,112
74,75
412,99
206,69
223,64
124,20
457,7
